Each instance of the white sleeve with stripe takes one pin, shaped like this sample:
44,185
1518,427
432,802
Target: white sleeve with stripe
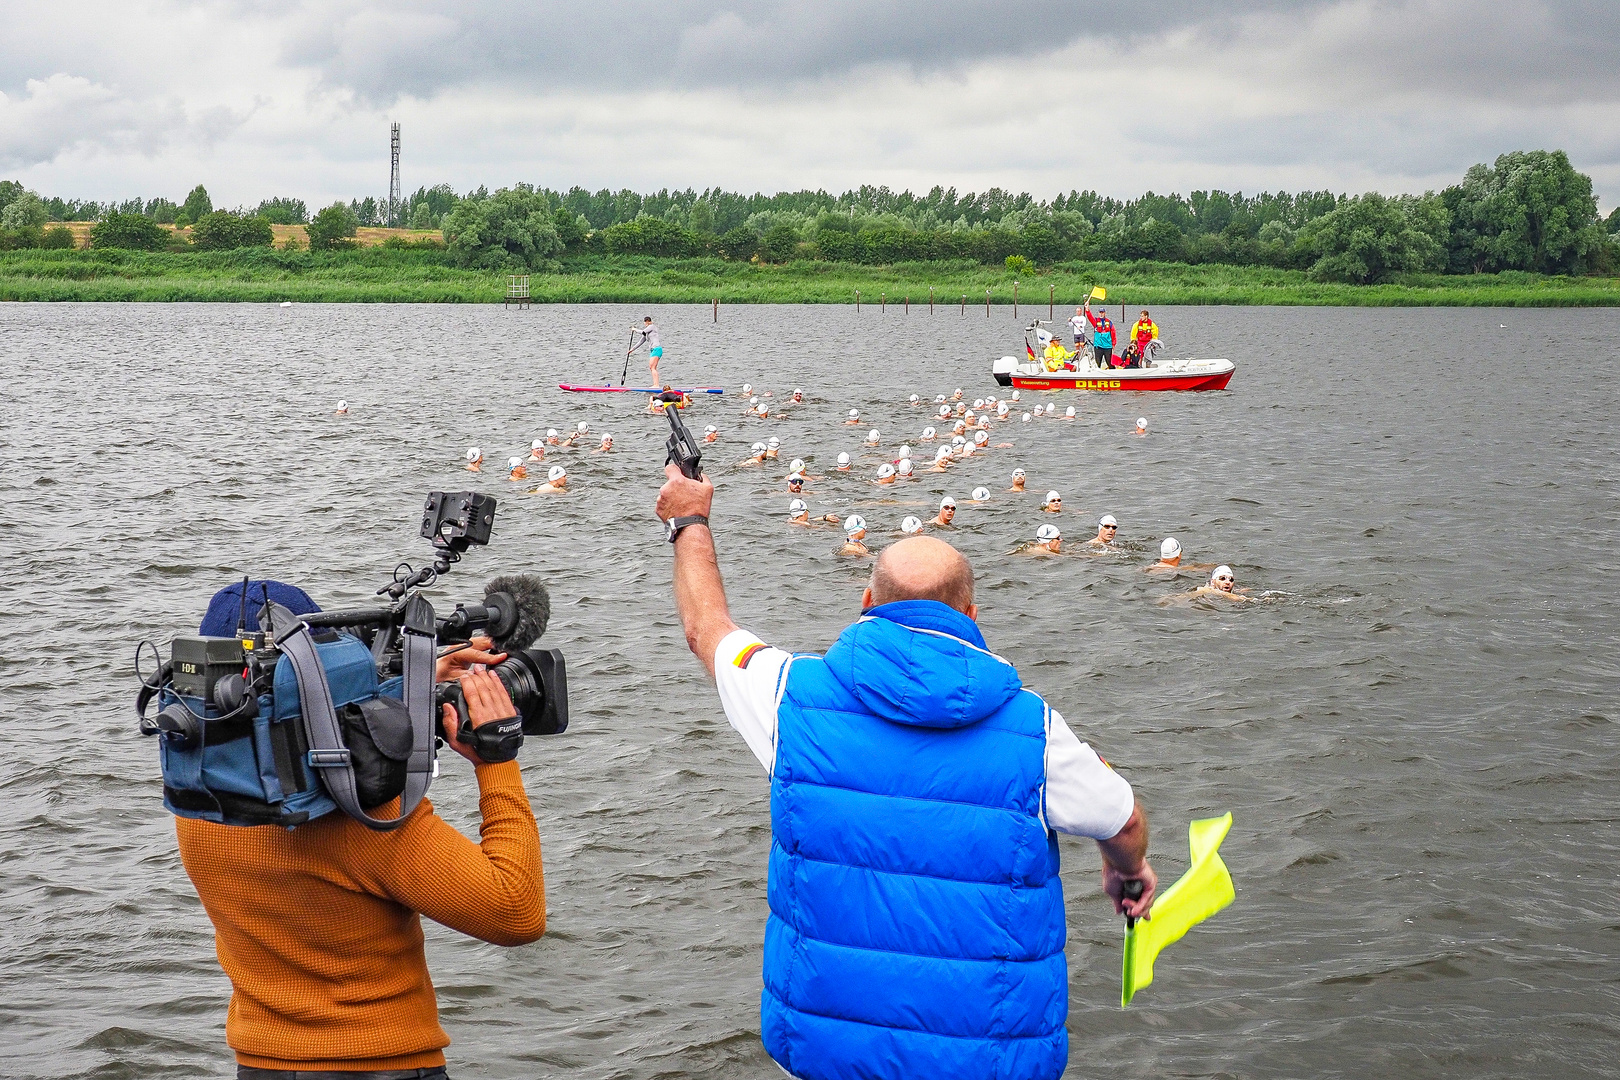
750,676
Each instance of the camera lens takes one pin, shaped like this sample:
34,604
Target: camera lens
537,684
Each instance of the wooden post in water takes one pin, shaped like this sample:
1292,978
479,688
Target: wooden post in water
1051,301
987,303
1015,298
964,305
857,301
908,304
883,302
717,309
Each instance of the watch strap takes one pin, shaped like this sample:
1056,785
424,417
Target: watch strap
679,523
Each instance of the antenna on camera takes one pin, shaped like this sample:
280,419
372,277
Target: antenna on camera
241,615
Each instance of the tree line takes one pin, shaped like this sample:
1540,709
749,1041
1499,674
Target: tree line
1528,211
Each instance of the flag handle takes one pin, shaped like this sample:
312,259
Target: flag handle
1132,890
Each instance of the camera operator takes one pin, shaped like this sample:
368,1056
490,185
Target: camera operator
319,926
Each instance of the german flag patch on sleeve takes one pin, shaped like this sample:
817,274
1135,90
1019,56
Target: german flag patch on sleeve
748,654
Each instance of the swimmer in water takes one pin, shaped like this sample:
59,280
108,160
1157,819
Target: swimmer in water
873,438
1222,584
911,526
753,406
1002,409
342,409
981,495
1068,414
981,440
798,396
773,446
1015,394
915,401
797,467
944,412
958,395
905,470
763,412
556,481
961,409
885,474
854,418
843,462
515,470
748,388
854,533
552,437
572,438
928,435
799,514
606,445
1026,418
475,458
795,483
711,433
947,513
1107,530
1017,480
1048,541
537,450
1053,503
1141,425
1169,556
757,457
942,460
903,453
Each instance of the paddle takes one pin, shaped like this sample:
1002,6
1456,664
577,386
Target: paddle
628,349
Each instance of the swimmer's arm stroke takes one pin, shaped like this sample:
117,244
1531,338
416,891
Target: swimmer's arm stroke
700,595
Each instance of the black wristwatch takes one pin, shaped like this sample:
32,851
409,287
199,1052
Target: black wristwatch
675,525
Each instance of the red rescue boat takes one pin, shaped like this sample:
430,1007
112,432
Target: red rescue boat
1033,373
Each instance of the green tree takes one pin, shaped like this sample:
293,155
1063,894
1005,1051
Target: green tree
1531,211
196,205
700,219
740,243
332,228
422,216
26,211
222,230
571,228
1371,238
651,236
511,228
134,232
9,191
57,236
162,211
283,211
779,243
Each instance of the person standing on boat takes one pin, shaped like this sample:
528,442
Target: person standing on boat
917,788
1102,336
647,334
1079,329
1143,334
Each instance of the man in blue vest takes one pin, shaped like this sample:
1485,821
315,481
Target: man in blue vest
916,926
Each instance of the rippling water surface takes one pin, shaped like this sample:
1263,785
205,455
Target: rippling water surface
1416,731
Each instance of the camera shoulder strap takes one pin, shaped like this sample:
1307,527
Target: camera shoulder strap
327,752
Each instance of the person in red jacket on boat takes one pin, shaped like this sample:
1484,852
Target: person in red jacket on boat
1102,335
1143,334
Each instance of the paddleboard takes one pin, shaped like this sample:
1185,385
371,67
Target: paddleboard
637,389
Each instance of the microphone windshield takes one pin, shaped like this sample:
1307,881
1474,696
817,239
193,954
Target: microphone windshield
525,607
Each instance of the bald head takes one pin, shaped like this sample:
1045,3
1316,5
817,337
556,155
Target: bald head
922,568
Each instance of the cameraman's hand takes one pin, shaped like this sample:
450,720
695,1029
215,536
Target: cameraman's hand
486,700
476,651
680,497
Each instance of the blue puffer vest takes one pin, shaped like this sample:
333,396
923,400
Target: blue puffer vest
916,926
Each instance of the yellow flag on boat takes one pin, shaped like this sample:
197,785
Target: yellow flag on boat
1203,890
1098,293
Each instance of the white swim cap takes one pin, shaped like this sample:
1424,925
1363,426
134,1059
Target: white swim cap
854,524
853,413
1048,532
758,447
945,410
1015,395
958,440
944,452
958,391
1141,421
754,400
885,470
797,506
873,437
584,427
512,463
980,494
981,437
843,459
1069,411
939,399
1026,418
968,417
773,442
537,444
748,388
1222,571
1051,407
711,430
911,525
1108,519
1050,495
978,403
551,433
797,465
796,478
1003,408
343,404
1170,548
905,467
473,453
947,501
764,409
796,390
1017,473
914,399
606,438
928,433
557,473
905,452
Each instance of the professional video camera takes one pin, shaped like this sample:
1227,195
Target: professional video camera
297,713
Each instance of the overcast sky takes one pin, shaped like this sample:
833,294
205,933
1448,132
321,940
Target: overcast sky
257,98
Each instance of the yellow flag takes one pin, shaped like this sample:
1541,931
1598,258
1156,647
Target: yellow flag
1099,293
1203,890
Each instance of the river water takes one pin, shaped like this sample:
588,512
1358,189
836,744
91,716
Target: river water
1416,731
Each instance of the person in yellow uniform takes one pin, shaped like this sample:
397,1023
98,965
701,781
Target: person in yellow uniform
1142,333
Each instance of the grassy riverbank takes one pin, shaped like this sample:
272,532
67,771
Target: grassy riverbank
417,276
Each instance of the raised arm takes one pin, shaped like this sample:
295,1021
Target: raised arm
700,595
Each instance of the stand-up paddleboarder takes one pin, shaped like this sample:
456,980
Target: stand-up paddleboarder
647,334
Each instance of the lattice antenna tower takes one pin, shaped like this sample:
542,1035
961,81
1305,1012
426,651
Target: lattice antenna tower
393,176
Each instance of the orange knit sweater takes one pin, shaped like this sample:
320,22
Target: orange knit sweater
318,929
